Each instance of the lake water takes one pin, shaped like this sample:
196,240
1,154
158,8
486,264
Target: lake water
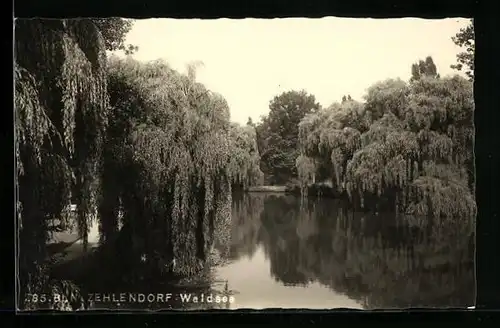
324,256
286,254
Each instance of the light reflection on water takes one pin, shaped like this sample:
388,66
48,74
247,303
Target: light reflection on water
257,289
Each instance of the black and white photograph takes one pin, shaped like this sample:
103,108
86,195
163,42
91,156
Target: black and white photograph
199,164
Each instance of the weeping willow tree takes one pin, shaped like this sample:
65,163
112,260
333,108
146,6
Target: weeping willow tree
330,136
167,165
245,159
60,119
408,147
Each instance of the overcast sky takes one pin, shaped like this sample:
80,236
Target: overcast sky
250,61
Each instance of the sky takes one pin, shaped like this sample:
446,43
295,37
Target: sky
249,61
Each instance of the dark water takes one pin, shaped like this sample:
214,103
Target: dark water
279,254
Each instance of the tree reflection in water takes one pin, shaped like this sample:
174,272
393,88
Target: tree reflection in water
272,243
380,261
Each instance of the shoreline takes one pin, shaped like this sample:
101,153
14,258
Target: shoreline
295,189
268,189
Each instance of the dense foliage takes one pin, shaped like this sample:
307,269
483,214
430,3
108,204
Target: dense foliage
137,145
245,159
114,31
60,120
409,145
277,135
465,39
170,160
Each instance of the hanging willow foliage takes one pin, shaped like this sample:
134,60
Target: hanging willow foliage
411,143
332,136
60,111
245,160
306,169
173,156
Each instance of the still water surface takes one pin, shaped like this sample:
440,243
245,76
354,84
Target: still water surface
279,254
324,256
